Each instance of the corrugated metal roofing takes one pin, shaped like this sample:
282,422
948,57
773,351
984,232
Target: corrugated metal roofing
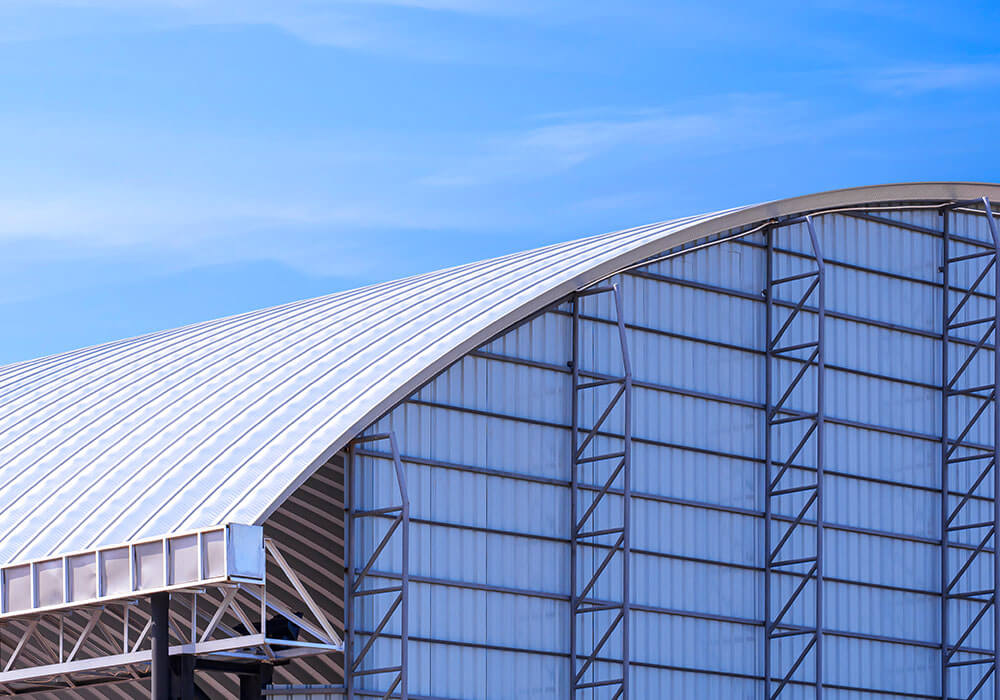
219,421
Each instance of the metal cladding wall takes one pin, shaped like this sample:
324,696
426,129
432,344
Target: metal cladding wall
486,449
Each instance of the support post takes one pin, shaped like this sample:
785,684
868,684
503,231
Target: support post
357,575
186,678
160,638
250,686
970,451
266,677
348,571
794,372
600,497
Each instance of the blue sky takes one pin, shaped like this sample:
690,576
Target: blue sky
169,161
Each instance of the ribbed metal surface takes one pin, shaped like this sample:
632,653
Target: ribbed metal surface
219,421
211,423
696,334
224,421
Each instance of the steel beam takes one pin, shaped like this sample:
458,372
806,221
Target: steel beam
530,652
358,565
118,638
185,677
970,372
160,636
792,436
600,528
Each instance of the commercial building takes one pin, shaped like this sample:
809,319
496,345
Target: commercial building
749,454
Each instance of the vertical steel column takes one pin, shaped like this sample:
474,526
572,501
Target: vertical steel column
820,454
355,578
574,366
626,497
348,570
768,464
967,663
159,632
250,686
945,506
995,235
266,676
793,489
186,678
605,617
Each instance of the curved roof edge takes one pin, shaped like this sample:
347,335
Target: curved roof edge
221,421
701,227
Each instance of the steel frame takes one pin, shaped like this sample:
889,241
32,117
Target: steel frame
107,641
751,513
775,516
99,640
210,569
355,578
592,503
966,467
784,494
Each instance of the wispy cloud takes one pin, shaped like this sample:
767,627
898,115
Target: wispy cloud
907,80
375,25
209,7
198,197
732,123
173,233
117,217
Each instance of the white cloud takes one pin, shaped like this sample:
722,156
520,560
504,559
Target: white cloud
927,78
354,24
382,27
177,232
730,124
124,216
309,201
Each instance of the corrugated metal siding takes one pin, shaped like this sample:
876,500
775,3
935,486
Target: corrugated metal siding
696,337
221,421
217,422
224,420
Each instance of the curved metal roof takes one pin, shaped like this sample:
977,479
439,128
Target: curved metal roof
219,421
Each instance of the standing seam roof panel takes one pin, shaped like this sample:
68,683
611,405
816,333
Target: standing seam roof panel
220,421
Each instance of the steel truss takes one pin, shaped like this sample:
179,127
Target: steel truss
112,641
358,572
970,430
601,496
794,374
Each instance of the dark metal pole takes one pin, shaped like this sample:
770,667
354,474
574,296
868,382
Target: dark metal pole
349,572
995,237
186,691
626,497
574,441
820,416
404,593
944,456
160,636
250,687
266,677
768,468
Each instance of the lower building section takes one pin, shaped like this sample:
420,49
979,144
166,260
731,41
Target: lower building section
785,495
762,469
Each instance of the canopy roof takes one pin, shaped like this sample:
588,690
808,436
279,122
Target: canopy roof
220,421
